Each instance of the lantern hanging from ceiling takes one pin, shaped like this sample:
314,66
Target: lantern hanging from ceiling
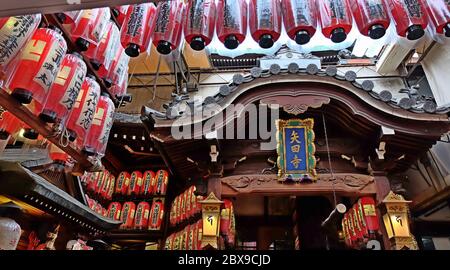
120,90
177,214
102,140
84,109
300,19
147,179
410,17
123,182
14,34
65,89
172,217
199,23
101,182
95,138
114,209
59,157
368,208
265,22
105,186
128,212
69,17
188,203
38,65
142,216
112,186
9,124
90,27
136,25
183,206
168,26
120,12
231,24
118,70
439,12
156,215
336,19
93,183
161,181
371,17
135,183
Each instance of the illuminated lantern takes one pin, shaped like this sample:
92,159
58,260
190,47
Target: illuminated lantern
90,27
156,215
371,17
38,65
120,12
68,17
101,182
357,224
83,111
111,188
134,30
93,181
176,241
177,209
123,182
161,181
98,208
199,234
105,186
367,205
169,242
225,217
300,19
183,206
58,156
439,12
336,19
194,232
14,34
147,188
168,26
118,68
135,183
265,21
193,200
199,23
231,24
345,231
9,124
410,18
65,89
114,210
100,127
184,242
199,205
128,211
188,203
172,218
141,217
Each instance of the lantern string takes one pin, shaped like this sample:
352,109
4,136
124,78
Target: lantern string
329,159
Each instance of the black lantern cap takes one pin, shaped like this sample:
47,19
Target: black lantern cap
415,32
82,44
89,151
48,116
164,47
4,135
338,35
231,42
377,31
198,44
72,135
91,76
22,95
302,37
61,17
447,30
56,29
31,134
266,41
133,50
107,82
115,12
96,65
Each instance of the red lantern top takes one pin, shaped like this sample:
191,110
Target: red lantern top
265,21
439,12
168,25
371,17
300,19
410,17
336,19
199,23
231,25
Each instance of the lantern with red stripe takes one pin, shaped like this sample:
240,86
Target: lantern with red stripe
156,215
98,208
69,17
142,215
102,140
118,69
183,206
161,181
14,34
225,217
193,199
58,156
91,202
123,182
300,19
178,209
370,215
345,231
112,186
356,224
184,243
199,234
361,220
114,209
38,65
168,26
136,25
371,17
102,180
93,183
194,232
100,126
90,27
64,90
128,211
105,186
147,179
188,203
172,217
265,21
231,25
169,242
336,19
9,124
410,17
135,183
351,228
199,23
439,12
120,90
83,111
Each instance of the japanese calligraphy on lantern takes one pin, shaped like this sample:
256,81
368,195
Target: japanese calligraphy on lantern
295,148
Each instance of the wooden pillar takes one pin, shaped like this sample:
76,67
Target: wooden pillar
383,188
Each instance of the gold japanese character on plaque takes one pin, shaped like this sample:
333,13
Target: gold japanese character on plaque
295,148
296,161
294,137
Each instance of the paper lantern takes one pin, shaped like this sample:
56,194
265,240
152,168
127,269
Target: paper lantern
161,181
142,216
231,24
300,19
135,183
128,211
83,111
64,90
105,186
193,199
69,17
367,205
120,90
147,179
410,17
336,19
114,210
112,186
156,215
168,26
265,21
199,23
136,28
14,34
118,70
120,12
90,27
10,232
102,181
9,124
199,234
183,206
38,65
439,12
172,217
93,183
371,17
123,182
58,156
188,203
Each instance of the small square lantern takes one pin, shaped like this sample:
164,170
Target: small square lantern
396,222
211,221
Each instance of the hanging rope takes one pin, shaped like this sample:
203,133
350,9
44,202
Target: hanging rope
329,158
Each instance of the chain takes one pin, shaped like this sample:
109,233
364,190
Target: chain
329,158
